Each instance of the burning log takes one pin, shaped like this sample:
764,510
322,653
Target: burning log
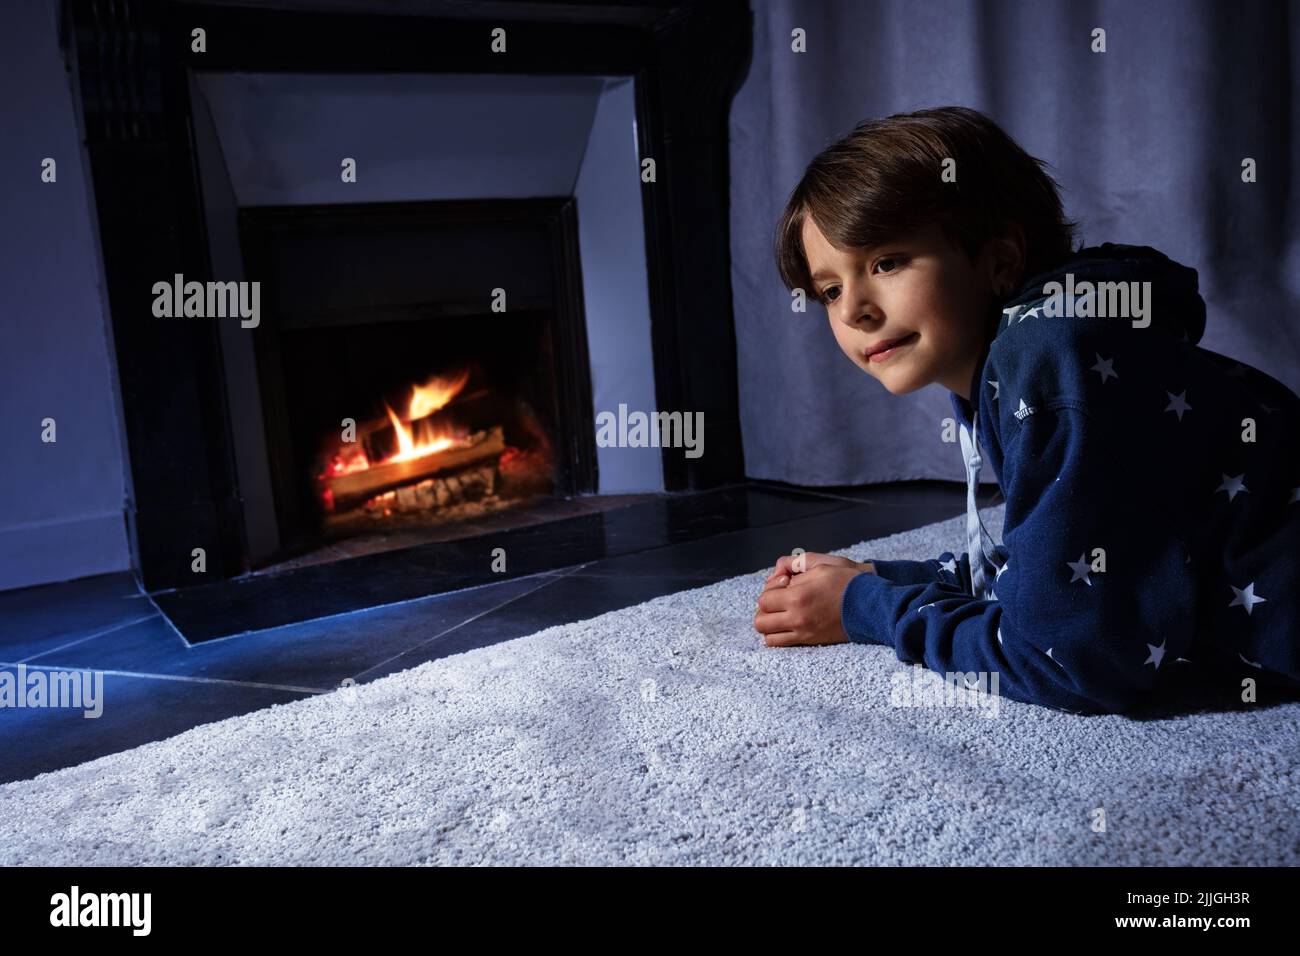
354,488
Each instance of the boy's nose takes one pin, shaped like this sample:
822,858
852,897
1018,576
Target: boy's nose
863,315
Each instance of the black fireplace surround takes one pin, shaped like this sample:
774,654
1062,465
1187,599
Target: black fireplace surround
132,62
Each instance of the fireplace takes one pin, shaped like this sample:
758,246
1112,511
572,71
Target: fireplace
418,364
191,426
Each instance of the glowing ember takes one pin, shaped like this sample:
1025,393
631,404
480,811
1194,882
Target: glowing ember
340,466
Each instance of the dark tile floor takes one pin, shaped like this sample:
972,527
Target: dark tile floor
272,645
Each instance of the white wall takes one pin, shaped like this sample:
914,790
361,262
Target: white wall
614,284
62,507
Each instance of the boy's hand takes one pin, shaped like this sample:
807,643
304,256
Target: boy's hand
798,564
806,610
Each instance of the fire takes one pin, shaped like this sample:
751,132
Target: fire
433,394
409,446
425,400
415,438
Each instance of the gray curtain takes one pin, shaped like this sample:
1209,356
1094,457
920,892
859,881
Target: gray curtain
1146,140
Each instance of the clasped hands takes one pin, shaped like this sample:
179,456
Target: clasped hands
801,599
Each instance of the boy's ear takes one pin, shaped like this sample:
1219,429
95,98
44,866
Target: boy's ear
1006,259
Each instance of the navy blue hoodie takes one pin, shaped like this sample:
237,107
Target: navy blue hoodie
1152,511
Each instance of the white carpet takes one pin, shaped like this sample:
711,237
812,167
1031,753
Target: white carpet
668,733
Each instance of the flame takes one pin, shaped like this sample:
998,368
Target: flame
425,400
408,446
433,394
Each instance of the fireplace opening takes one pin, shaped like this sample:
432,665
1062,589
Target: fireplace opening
452,443
398,406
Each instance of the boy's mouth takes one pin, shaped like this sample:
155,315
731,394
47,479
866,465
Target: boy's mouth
891,348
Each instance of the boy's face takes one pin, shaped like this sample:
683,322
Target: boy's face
922,289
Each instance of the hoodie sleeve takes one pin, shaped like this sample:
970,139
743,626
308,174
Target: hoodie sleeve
949,568
1072,623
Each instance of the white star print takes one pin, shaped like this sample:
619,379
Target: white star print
950,566
1006,564
1024,410
1246,597
924,606
1157,654
1010,313
995,389
1268,409
1030,312
1233,485
1104,367
1080,569
1178,403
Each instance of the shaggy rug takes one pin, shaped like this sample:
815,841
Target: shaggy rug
667,733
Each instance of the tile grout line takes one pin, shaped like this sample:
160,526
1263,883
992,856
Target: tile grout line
468,620
195,645
184,678
90,637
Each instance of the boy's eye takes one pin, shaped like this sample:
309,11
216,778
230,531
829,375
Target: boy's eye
892,262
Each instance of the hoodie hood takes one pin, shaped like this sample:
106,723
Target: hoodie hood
1171,302
1166,290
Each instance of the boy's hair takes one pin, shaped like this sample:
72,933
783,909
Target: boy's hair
882,181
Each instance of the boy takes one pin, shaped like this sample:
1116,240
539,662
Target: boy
1152,524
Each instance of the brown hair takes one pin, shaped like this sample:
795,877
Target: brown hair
882,182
